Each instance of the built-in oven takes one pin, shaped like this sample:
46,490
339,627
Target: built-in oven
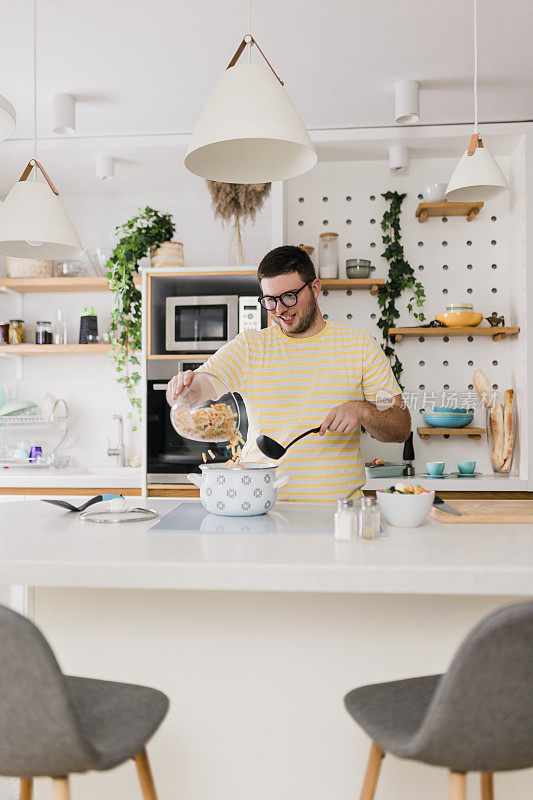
203,324
170,456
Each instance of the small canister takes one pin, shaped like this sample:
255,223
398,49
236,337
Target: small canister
345,520
43,332
16,331
368,522
328,255
4,332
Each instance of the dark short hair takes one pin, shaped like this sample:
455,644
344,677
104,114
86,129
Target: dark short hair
283,260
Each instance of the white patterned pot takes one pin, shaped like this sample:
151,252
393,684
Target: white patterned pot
238,492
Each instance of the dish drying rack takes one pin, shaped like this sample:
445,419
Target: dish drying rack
60,417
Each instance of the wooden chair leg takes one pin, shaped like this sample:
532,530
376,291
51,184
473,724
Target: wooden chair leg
487,786
372,772
26,789
61,788
457,786
145,776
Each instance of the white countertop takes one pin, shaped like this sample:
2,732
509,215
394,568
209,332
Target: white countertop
41,545
49,478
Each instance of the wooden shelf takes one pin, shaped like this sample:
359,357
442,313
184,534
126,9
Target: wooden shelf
94,283
444,209
472,433
181,357
371,284
54,349
497,334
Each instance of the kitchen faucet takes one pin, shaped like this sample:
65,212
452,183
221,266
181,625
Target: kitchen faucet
118,451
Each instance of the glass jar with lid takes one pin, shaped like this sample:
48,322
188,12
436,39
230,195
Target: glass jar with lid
368,522
328,255
345,520
16,331
43,332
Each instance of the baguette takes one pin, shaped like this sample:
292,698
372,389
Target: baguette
486,393
508,432
496,427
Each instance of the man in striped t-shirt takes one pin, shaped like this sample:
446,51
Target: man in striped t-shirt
301,372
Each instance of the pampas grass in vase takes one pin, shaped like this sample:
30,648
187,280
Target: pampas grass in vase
236,203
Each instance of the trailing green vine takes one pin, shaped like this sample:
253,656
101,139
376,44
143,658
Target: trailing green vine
149,228
401,276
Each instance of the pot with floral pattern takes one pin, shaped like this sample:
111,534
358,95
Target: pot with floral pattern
238,491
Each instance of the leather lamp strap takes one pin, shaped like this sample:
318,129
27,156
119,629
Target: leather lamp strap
37,164
475,141
239,51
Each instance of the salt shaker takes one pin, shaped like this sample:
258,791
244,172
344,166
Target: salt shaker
345,520
368,519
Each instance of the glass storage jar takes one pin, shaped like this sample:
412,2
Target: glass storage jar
43,332
16,331
4,332
328,255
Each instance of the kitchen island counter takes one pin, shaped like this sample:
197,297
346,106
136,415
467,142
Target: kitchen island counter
290,550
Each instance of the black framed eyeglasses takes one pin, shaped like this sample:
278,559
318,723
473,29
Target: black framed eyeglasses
288,299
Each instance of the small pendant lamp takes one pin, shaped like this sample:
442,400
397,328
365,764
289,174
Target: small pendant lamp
33,220
249,130
477,176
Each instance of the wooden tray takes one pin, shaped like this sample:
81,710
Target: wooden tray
487,511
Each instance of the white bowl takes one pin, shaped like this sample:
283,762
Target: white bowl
405,510
435,192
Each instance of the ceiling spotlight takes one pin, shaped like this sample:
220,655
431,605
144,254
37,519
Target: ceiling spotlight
407,95
8,118
398,158
105,167
64,114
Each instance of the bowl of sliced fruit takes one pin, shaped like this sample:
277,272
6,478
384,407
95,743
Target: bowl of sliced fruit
405,505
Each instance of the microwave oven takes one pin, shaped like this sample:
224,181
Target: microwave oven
203,324
170,456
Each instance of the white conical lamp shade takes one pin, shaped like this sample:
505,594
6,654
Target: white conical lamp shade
33,213
476,177
249,131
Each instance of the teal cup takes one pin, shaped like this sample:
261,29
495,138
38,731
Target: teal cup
435,467
466,467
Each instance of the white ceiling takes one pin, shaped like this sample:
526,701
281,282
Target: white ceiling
148,67
145,69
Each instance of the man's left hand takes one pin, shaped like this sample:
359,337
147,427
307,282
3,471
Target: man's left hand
344,418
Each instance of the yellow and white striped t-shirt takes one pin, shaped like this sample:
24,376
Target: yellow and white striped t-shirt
290,384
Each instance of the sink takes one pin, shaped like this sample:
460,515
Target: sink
106,469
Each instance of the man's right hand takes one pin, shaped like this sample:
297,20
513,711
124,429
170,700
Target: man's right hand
177,384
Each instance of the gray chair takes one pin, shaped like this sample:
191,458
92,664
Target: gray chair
477,717
53,724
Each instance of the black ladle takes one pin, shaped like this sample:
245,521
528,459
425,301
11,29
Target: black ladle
272,449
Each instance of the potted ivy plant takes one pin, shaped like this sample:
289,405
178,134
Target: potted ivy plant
401,277
137,236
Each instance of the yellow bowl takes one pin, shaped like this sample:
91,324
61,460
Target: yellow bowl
459,319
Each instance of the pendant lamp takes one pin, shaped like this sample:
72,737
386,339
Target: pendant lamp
477,176
249,130
33,220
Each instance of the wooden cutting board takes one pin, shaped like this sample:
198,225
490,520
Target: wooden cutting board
487,511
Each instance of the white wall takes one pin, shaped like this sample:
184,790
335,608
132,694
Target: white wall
87,383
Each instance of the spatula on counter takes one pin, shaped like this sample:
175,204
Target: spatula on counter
272,449
97,499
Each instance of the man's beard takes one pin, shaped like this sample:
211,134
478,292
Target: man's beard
307,318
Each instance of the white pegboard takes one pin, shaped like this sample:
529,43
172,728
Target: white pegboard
455,260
